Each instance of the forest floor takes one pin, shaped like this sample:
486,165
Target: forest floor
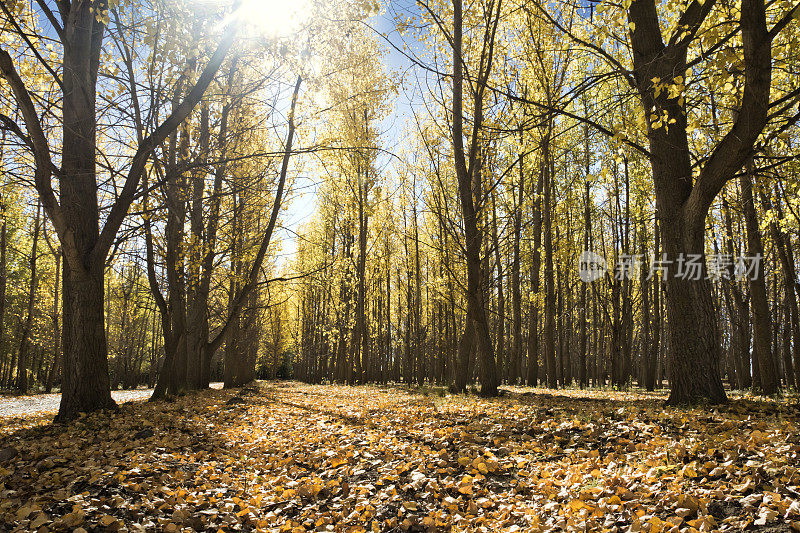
292,457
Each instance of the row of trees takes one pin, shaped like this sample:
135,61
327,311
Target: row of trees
660,136
147,152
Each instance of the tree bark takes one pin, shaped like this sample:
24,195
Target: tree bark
56,365
506,366
516,292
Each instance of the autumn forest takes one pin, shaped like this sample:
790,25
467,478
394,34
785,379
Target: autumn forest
349,265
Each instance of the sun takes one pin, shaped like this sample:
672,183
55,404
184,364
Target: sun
275,18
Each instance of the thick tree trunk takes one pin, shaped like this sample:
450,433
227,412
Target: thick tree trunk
196,299
232,376
85,383
84,380
694,337
253,328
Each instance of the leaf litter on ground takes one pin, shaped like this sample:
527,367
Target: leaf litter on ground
288,457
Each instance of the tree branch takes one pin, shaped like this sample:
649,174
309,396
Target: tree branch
170,124
41,154
730,154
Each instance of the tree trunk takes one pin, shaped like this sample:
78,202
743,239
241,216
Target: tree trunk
587,234
56,326
25,342
516,292
506,367
781,240
467,172
533,306
762,327
647,353
3,275
85,384
549,280
84,380
233,352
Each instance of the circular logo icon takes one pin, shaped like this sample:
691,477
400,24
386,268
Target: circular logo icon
591,266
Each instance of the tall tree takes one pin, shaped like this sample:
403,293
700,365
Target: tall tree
468,175
75,212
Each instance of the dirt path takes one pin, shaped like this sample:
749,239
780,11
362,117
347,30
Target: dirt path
37,404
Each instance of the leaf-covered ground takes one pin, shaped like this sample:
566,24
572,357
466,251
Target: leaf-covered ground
290,457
